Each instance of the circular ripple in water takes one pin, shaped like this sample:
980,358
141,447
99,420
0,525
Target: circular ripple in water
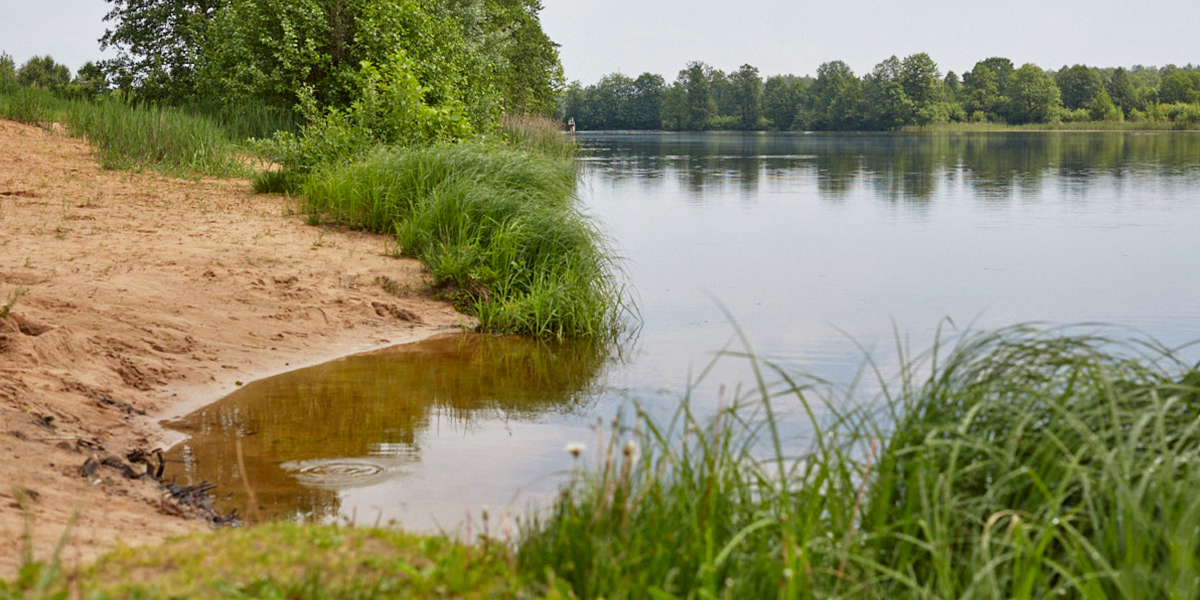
336,473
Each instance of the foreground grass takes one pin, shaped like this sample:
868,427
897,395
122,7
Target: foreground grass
498,227
1022,465
286,560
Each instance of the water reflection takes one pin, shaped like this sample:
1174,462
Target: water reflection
364,421
896,168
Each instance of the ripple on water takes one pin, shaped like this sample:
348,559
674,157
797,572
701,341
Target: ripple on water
337,473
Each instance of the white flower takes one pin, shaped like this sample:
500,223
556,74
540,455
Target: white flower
575,449
630,449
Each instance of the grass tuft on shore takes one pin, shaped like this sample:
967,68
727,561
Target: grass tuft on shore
497,227
1016,464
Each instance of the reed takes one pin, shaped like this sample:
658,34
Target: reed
129,136
138,136
538,134
187,140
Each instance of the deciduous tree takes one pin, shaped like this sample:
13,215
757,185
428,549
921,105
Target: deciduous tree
42,71
747,96
1078,85
921,80
1034,96
157,44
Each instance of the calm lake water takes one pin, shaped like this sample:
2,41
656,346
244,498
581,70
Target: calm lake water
818,247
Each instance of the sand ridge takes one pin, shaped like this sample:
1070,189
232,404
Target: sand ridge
148,296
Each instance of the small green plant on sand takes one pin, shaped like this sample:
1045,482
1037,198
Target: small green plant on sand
8,305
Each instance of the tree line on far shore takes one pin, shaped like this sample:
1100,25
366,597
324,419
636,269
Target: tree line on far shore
897,93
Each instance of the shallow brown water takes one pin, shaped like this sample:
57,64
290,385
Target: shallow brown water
312,438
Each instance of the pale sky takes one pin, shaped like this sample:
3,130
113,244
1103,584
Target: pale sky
777,36
599,37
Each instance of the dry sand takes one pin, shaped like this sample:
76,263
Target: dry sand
148,297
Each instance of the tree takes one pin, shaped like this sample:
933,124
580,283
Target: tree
529,73
888,106
492,53
721,89
1101,108
158,43
1180,86
268,51
1121,90
1003,69
1034,96
747,91
782,98
42,71
574,105
611,100
8,69
921,80
836,99
982,92
90,80
952,85
1078,85
674,107
646,112
700,108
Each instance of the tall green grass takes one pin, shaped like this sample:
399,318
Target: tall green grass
1016,464
167,139
497,227
177,141
538,134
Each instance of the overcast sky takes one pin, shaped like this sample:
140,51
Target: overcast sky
795,36
777,36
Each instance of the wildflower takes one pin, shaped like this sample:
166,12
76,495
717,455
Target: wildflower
575,449
630,449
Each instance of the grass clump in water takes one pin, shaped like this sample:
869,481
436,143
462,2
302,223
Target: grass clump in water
497,227
1022,464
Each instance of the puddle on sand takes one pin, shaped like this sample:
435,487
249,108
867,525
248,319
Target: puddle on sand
415,433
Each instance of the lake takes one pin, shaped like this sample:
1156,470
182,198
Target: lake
811,251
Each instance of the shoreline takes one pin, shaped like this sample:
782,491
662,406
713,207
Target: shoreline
147,297
192,398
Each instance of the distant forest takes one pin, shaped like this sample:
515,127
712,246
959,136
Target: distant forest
896,94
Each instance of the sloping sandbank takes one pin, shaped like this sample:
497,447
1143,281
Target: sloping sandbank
149,296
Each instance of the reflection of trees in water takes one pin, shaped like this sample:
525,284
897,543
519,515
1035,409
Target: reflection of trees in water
375,404
900,167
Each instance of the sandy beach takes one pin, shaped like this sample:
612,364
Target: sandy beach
140,297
